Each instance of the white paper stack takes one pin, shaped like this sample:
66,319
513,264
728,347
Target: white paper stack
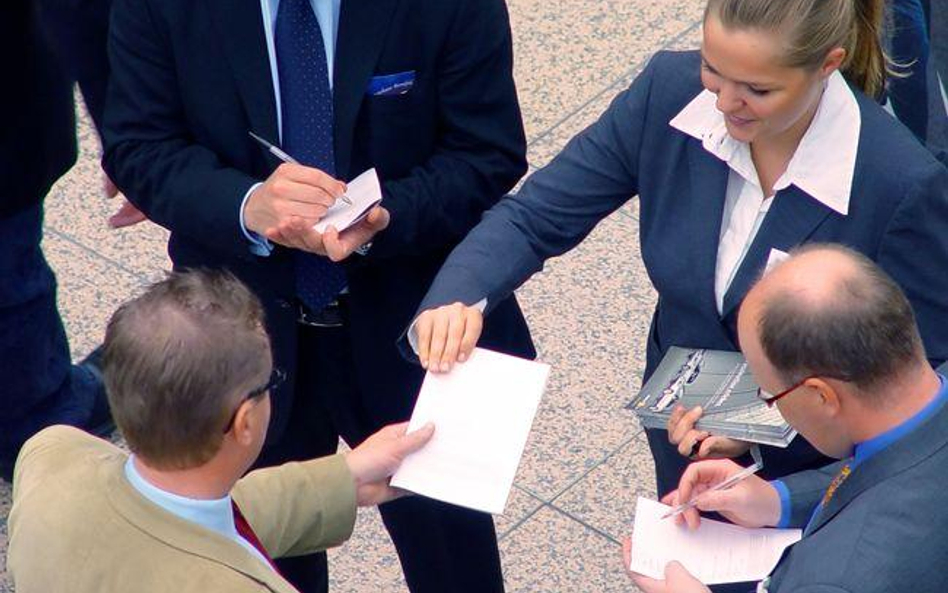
365,192
482,411
715,553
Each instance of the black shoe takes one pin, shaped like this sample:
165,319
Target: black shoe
100,421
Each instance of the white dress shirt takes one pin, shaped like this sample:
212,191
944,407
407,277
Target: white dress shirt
822,166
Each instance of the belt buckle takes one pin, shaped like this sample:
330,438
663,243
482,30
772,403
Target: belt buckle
330,316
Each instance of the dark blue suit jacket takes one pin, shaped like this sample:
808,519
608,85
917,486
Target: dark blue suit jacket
190,78
898,217
884,528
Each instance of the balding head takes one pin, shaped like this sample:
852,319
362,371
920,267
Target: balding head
828,311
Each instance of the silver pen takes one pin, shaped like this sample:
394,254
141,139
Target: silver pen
741,475
280,154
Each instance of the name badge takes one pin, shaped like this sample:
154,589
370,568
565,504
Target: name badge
388,85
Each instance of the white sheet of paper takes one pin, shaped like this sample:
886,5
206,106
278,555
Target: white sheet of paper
482,411
365,193
715,553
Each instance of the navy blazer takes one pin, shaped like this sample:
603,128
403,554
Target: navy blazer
190,78
884,530
898,217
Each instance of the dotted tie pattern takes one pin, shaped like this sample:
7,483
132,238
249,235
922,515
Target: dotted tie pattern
306,106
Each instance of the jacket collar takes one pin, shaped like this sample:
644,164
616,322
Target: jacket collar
360,38
925,440
178,533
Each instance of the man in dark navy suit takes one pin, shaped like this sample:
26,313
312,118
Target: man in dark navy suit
421,90
41,386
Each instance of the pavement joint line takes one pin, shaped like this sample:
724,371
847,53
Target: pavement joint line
522,520
623,78
592,528
144,279
638,432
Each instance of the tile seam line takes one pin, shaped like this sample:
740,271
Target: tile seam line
582,476
108,260
621,78
592,528
601,462
519,523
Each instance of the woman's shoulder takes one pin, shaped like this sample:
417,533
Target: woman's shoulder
884,142
673,79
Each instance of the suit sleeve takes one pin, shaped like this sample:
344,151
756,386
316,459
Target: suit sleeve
78,30
481,148
299,508
806,490
556,208
914,252
149,150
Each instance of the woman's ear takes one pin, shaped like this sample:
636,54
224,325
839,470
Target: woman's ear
832,62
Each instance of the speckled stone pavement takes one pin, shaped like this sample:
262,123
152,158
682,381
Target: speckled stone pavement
586,460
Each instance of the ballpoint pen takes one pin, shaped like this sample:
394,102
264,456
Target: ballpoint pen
744,473
278,153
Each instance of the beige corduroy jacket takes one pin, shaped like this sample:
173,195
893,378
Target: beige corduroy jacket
78,526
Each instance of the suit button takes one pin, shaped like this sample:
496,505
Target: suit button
284,304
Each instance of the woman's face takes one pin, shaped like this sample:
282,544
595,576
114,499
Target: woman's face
760,98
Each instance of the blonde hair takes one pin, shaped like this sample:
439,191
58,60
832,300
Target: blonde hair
813,28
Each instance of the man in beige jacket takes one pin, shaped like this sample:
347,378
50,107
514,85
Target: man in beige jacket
188,371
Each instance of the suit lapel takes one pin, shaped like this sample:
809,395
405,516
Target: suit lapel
709,177
912,449
362,28
239,27
183,535
791,220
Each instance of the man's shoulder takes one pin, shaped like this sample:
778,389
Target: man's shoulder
59,477
890,538
56,449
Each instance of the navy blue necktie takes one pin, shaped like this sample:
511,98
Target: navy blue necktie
306,106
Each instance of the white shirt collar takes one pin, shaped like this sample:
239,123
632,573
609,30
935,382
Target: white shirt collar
825,161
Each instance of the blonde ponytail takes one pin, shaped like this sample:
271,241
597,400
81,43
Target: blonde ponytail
866,66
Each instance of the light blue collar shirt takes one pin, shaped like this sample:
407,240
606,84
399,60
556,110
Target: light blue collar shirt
216,515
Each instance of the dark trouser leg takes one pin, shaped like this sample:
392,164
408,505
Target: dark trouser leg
669,465
309,434
40,385
444,548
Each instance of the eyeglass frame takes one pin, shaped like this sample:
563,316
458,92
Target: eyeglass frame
277,377
770,401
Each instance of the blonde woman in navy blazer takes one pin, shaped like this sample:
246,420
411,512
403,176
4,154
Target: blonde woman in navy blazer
790,84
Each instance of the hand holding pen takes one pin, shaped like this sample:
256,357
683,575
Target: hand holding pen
725,487
284,207
280,154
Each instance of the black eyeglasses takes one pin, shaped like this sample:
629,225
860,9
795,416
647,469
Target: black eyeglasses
770,400
277,377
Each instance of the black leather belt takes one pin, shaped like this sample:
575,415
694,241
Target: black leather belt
329,316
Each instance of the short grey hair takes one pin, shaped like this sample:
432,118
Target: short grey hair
179,359
863,333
